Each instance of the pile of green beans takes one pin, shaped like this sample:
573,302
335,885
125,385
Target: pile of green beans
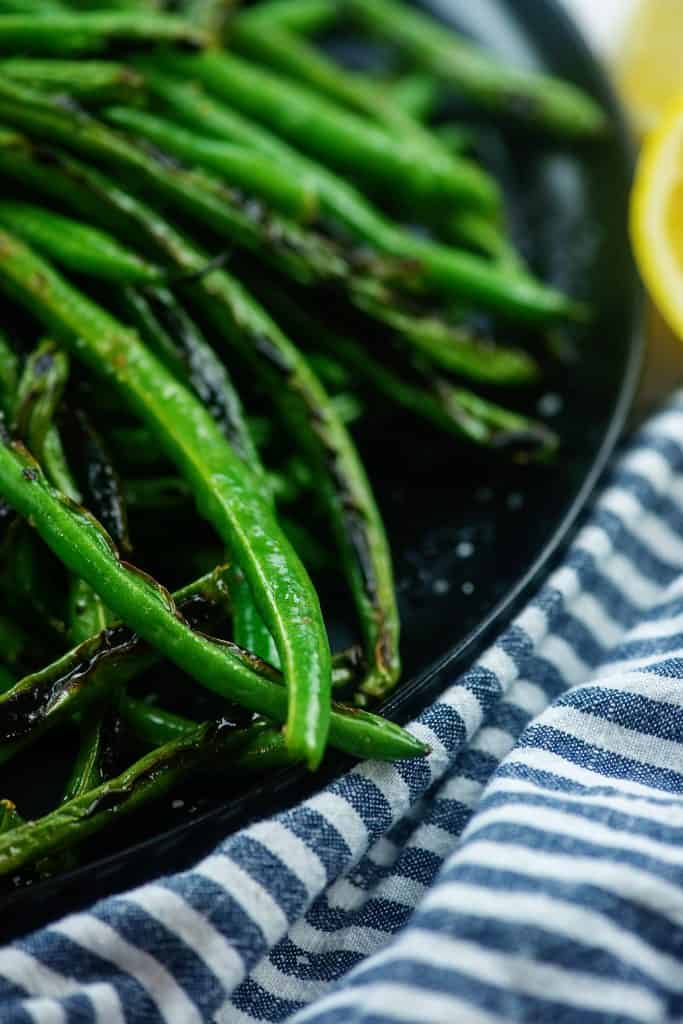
209,275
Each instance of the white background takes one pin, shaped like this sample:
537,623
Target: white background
602,21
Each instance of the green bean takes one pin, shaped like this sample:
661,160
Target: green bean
540,100
480,234
69,33
89,81
304,16
94,671
188,102
293,55
56,466
87,617
303,404
453,348
255,749
101,666
455,410
330,371
76,246
136,310
211,587
86,550
87,614
514,92
342,482
9,376
349,667
225,490
38,395
102,488
239,166
153,725
351,143
209,15
177,340
490,424
159,312
210,381
285,51
140,603
291,482
444,269
249,630
348,406
123,5
11,819
31,6
417,94
87,771
456,137
97,668
98,753
306,256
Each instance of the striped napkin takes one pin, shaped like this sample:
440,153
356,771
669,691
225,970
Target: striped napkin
530,870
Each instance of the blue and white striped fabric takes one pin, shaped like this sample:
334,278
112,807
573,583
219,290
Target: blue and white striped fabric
531,870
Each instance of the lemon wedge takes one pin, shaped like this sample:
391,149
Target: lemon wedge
657,216
648,66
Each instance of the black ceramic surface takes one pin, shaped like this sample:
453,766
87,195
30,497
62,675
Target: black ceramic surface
470,536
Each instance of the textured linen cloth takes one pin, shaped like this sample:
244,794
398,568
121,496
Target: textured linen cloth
529,870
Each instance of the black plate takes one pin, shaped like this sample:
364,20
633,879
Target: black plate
471,537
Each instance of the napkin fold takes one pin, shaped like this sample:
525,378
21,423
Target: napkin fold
529,869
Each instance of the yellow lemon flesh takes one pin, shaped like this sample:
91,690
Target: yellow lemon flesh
648,67
657,216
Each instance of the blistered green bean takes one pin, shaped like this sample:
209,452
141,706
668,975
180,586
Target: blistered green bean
225,490
70,32
76,246
88,81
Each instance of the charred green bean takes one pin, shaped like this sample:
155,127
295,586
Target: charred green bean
241,166
254,749
307,409
351,143
433,266
537,99
70,32
88,81
76,246
225,490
